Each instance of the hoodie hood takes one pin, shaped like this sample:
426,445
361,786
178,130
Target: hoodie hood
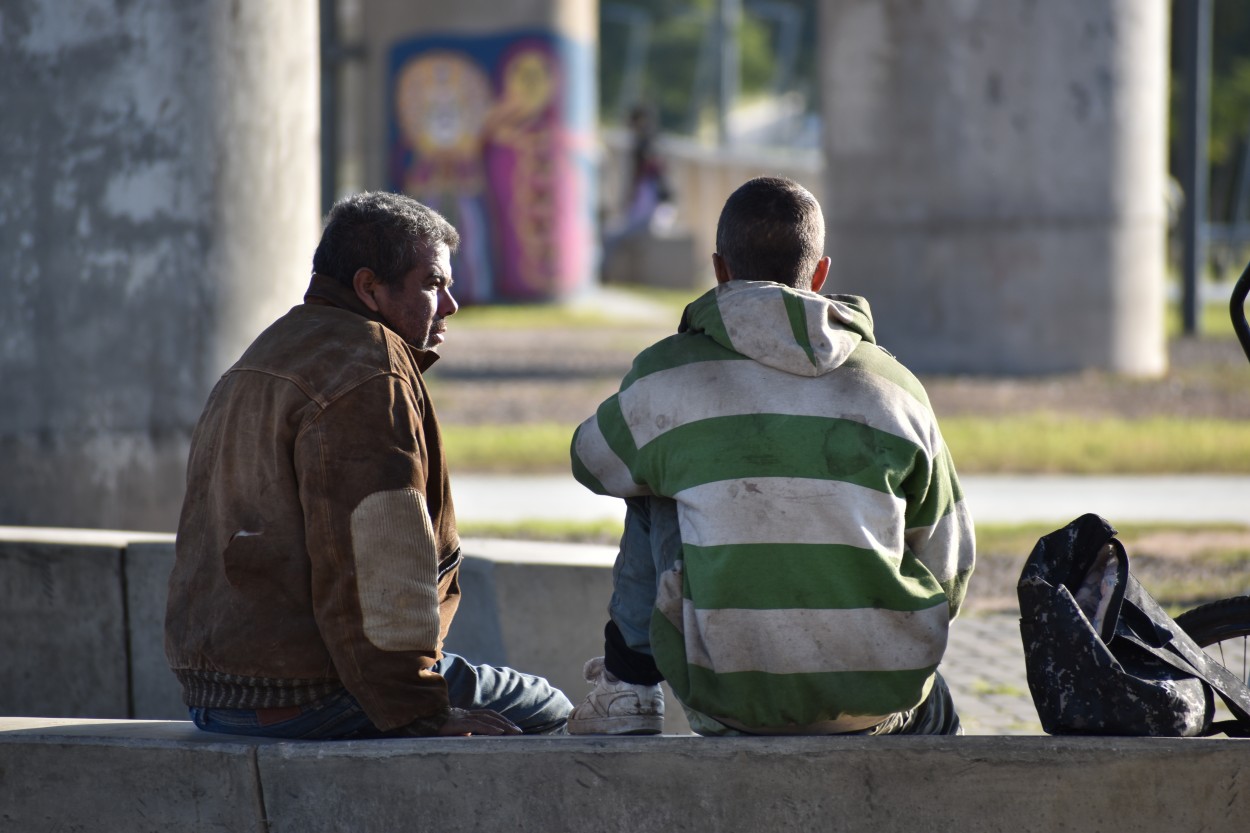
791,330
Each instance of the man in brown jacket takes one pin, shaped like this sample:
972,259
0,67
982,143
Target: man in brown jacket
317,552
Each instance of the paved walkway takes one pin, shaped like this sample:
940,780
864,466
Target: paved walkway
984,667
984,663
992,499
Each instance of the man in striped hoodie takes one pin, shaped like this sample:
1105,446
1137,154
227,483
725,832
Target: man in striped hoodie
796,539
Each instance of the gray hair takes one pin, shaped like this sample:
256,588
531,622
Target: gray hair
380,231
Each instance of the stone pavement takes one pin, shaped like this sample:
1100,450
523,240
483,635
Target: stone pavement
984,667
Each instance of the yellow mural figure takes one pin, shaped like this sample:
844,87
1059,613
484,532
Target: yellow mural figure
442,100
487,131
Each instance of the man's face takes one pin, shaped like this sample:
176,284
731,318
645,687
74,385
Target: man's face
416,305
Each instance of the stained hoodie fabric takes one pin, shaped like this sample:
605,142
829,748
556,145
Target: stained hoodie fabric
825,542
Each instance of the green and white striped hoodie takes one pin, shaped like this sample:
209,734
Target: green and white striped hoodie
826,544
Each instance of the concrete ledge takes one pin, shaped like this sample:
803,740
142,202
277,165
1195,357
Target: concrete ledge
665,261
166,776
76,774
84,611
83,616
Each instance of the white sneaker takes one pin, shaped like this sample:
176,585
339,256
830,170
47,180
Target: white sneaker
614,707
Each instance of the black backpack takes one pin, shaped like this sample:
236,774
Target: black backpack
1102,656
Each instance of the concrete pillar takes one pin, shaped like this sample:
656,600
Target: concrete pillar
995,179
486,111
158,208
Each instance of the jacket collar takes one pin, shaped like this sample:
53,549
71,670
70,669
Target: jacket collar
327,291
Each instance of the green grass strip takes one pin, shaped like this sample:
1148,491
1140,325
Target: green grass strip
1033,444
1052,444
668,304
1213,323
516,448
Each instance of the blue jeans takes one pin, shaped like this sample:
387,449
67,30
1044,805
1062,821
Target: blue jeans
651,545
528,701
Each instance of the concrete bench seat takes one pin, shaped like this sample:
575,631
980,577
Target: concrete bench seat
84,612
77,774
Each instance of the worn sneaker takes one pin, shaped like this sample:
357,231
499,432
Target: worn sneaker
614,707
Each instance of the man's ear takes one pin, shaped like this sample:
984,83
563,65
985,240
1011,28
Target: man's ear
720,268
822,272
365,282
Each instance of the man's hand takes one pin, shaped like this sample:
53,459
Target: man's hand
478,722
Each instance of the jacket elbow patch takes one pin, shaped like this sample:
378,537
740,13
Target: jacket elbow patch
396,571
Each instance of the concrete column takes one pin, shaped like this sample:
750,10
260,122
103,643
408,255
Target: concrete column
995,179
158,208
486,112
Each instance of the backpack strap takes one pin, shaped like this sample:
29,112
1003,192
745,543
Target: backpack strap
1146,629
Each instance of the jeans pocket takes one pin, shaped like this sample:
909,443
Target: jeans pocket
336,718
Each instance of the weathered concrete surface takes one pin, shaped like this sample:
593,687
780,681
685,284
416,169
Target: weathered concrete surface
83,620
689,783
995,179
63,616
155,692
139,777
666,261
165,776
158,208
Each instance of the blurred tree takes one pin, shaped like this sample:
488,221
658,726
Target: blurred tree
1230,107
676,61
676,73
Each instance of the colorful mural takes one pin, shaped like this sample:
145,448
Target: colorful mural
495,132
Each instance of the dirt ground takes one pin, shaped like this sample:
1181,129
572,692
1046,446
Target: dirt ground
1182,569
561,375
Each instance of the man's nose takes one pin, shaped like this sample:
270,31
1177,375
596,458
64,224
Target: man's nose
446,304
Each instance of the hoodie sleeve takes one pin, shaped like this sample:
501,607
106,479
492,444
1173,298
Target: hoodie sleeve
939,529
604,454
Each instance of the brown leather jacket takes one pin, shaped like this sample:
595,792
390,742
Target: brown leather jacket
317,548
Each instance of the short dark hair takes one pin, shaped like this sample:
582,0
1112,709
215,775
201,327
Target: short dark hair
771,229
380,231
